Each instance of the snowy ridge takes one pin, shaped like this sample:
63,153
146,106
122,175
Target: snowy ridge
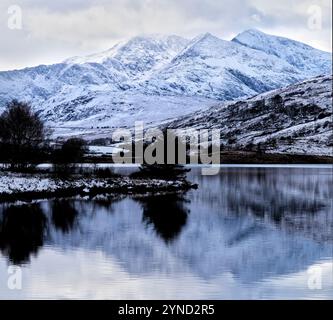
299,55
139,55
296,120
223,70
159,78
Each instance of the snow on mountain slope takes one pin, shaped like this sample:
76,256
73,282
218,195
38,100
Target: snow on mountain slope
224,70
155,78
140,54
296,119
305,58
48,83
99,112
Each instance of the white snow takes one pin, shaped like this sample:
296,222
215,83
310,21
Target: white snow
302,125
158,78
310,60
12,183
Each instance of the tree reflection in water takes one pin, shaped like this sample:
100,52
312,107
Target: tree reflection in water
167,213
22,230
64,215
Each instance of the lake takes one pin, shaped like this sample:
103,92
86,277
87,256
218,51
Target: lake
251,232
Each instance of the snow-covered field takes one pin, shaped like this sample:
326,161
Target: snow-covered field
109,111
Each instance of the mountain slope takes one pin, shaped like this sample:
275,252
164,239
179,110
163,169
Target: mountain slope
139,55
39,84
157,78
296,119
309,60
224,70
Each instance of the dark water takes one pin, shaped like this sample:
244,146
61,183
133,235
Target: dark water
248,233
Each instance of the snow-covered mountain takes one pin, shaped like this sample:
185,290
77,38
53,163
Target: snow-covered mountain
140,56
223,70
296,120
303,57
159,78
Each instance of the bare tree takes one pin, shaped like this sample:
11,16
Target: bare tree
22,134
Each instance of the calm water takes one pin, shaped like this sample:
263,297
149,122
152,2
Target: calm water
248,233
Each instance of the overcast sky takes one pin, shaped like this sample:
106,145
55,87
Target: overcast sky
55,30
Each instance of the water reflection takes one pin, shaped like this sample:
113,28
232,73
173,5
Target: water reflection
241,229
167,213
298,199
22,232
64,215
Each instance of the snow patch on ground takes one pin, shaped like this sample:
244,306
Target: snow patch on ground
13,183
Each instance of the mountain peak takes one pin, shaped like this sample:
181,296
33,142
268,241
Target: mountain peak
254,37
204,45
155,42
136,48
205,37
297,54
250,35
203,40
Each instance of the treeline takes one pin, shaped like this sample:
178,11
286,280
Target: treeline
25,141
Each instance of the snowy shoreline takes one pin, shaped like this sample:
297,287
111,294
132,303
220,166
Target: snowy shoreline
15,187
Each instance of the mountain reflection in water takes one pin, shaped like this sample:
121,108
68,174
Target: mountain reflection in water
243,228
